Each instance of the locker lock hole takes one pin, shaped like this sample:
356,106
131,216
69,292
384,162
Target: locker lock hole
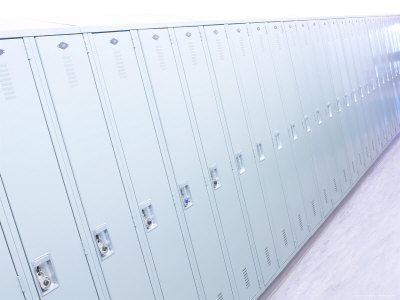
103,241
149,218
186,195
215,180
45,274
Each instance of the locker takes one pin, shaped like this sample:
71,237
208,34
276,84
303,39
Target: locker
34,187
300,138
261,139
219,159
130,110
342,113
320,32
241,146
280,140
185,157
92,160
309,95
10,287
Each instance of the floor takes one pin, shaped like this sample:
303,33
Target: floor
356,255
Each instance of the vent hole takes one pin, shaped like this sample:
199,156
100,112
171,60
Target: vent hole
284,236
246,277
325,196
267,256
300,222
335,185
313,208
344,175
220,296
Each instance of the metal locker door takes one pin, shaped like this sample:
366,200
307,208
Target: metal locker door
133,122
260,134
348,107
9,285
296,130
184,155
308,91
244,158
34,186
337,156
90,153
218,160
280,140
329,45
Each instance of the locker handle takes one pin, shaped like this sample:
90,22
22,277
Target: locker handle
346,99
215,181
354,95
339,105
361,92
278,141
240,163
293,130
330,115
307,123
318,115
260,151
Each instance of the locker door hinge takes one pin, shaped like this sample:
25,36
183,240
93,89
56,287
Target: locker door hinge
21,285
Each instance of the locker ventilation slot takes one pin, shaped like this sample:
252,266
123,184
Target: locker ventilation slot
313,208
69,70
352,164
300,222
220,296
267,256
193,54
335,185
119,63
325,196
220,49
246,278
161,58
344,175
284,236
6,84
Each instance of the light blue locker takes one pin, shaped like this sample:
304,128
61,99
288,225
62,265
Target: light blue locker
90,153
130,111
296,129
9,282
348,102
185,157
280,139
342,112
208,116
261,139
308,89
241,146
35,188
319,34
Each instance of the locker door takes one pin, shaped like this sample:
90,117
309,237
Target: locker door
280,139
9,286
300,139
308,90
245,163
129,106
260,134
91,156
34,186
218,159
348,107
337,158
183,152
329,45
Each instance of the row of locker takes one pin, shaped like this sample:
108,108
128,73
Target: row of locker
184,162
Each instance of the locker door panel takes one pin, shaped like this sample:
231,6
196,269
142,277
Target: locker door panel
183,151
241,143
133,120
217,155
299,140
34,185
308,97
91,156
260,132
9,286
280,139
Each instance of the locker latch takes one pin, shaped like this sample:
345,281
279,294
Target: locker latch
330,115
260,151
307,123
339,105
318,116
45,274
149,218
186,195
103,241
361,92
293,131
215,180
240,163
346,100
278,140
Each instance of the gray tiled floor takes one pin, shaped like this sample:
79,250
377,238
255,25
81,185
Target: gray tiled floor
357,254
